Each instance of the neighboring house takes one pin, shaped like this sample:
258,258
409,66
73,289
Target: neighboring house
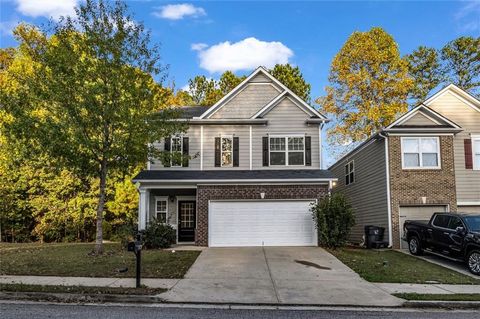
255,168
427,161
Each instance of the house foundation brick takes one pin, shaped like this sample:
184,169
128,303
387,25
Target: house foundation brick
408,186
205,193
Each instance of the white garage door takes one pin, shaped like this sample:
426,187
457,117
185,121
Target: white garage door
257,223
416,213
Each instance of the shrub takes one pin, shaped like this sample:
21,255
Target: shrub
159,235
334,218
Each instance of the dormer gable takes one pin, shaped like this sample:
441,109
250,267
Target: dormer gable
254,97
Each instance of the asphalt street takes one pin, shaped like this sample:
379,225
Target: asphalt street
41,310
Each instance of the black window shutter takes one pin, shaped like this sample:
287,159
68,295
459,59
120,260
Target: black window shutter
467,144
167,149
265,150
308,150
235,151
217,152
185,152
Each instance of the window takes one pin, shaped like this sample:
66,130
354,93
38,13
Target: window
161,206
177,151
420,152
349,173
454,223
441,221
476,152
287,150
227,151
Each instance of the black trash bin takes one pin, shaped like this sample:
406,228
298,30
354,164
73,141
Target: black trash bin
374,237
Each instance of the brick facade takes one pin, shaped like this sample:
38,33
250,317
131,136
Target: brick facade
216,192
407,187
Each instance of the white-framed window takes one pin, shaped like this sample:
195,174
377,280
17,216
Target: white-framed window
476,151
176,148
349,173
161,209
421,152
287,150
226,149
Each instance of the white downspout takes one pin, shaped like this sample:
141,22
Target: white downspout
201,147
389,204
320,153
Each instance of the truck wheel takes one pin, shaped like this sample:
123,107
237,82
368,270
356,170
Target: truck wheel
473,262
414,246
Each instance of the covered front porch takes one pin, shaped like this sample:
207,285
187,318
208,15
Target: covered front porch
171,205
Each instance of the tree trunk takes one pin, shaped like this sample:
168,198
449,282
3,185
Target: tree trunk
101,204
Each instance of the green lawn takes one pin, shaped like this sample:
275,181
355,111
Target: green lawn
395,267
77,260
439,297
81,289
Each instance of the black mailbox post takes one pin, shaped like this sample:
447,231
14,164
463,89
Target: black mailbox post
136,248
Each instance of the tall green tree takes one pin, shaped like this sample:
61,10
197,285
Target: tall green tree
462,62
369,86
92,103
292,78
203,90
228,81
425,68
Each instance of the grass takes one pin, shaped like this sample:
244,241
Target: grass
395,267
76,260
81,289
439,297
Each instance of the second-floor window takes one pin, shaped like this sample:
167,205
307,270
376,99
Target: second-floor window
177,151
287,150
476,152
420,152
227,151
349,173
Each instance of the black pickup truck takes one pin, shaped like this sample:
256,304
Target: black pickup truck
453,236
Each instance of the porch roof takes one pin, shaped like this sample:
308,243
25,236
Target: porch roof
229,176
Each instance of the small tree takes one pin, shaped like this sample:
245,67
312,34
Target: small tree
334,218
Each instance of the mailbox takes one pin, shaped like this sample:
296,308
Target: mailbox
136,248
131,246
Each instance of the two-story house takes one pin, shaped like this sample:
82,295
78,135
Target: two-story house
255,168
426,161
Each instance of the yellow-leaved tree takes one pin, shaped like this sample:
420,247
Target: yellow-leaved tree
369,86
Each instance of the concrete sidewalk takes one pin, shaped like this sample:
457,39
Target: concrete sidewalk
87,281
429,288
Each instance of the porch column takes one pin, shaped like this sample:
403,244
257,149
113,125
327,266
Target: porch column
143,205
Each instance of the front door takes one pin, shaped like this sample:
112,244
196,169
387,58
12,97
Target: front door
186,221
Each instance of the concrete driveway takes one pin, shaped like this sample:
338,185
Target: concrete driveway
275,275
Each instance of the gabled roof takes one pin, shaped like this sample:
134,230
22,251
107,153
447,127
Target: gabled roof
438,119
192,111
285,91
461,94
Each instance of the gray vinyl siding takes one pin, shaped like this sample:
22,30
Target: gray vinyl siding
285,118
467,180
368,193
248,102
260,78
419,120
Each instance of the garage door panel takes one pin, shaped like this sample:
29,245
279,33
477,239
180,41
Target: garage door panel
417,213
268,223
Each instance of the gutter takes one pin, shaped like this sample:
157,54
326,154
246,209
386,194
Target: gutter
389,203
224,121
237,181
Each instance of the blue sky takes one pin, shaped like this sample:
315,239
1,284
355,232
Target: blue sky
208,37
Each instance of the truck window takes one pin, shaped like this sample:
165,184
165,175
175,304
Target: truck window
454,223
441,221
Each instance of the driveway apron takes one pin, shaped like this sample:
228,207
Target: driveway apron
275,275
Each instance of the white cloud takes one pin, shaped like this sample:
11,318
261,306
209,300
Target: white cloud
468,16
246,54
198,46
179,11
46,8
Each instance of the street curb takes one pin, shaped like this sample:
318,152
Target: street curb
442,304
78,298
146,299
